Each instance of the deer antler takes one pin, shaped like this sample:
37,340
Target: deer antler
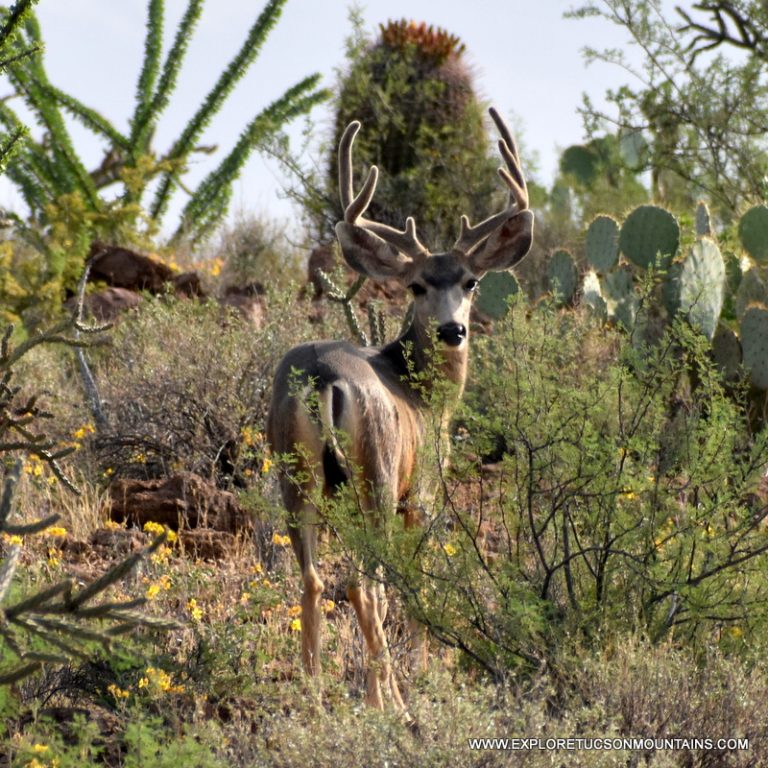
513,177
406,241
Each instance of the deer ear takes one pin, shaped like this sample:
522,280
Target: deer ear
505,246
369,255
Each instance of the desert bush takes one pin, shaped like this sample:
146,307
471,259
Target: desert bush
187,385
58,622
626,499
255,249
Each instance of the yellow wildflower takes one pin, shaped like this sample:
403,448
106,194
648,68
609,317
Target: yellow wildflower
119,693
735,632
152,591
328,606
159,681
245,597
113,525
55,530
12,539
296,625
195,611
258,568
294,610
449,550
86,429
250,437
40,749
280,541
53,557
152,527
266,466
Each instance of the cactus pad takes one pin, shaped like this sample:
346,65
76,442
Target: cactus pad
563,276
650,235
494,293
753,232
754,344
752,289
702,286
726,352
602,244
620,297
592,294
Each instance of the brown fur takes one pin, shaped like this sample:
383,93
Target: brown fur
371,398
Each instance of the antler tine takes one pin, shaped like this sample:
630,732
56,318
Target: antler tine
406,240
514,179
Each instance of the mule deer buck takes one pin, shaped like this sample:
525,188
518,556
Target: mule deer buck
371,396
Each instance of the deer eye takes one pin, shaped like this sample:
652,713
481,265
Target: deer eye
417,289
471,285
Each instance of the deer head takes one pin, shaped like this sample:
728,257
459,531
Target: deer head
442,284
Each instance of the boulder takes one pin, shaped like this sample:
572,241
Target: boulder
123,268
182,501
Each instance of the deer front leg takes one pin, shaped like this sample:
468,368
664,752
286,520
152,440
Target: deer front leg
413,516
380,679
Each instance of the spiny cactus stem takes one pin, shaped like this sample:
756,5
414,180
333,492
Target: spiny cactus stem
332,291
354,324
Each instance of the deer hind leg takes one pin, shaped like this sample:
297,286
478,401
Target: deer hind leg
303,524
304,541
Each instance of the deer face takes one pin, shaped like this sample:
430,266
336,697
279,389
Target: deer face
442,288
442,285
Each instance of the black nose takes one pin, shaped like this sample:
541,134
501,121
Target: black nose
452,334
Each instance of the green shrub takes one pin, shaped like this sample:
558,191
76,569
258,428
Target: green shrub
187,385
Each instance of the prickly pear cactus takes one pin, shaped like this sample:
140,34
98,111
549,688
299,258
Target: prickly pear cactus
703,220
620,298
753,232
701,280
494,292
602,243
563,276
752,290
726,352
592,294
649,237
754,344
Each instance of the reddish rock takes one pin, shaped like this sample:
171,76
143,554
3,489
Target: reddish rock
105,306
182,501
123,268
247,300
188,285
205,544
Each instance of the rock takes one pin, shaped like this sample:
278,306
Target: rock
107,305
205,544
247,300
123,268
182,501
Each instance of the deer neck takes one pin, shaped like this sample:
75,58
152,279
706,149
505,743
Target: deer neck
425,367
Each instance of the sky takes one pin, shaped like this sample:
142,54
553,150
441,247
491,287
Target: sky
527,60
